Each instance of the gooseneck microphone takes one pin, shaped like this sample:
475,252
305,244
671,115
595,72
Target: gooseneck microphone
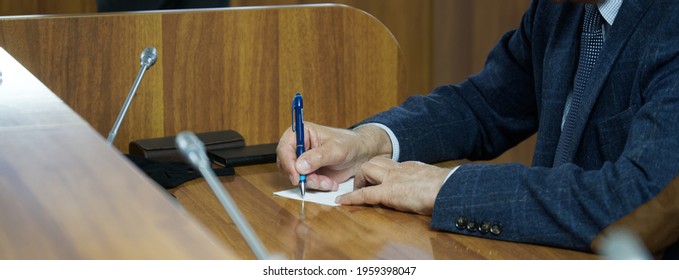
623,244
194,151
148,58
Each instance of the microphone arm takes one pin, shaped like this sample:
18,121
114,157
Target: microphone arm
194,151
148,58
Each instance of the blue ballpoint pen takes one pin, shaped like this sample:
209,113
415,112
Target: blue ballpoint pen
298,128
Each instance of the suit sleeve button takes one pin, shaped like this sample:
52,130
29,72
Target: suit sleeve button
484,227
461,222
496,228
472,225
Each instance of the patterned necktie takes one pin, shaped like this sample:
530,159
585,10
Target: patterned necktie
591,41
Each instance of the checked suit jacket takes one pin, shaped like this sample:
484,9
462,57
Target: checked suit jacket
627,132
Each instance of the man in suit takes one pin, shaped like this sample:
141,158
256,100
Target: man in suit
598,82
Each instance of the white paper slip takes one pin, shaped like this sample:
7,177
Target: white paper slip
320,197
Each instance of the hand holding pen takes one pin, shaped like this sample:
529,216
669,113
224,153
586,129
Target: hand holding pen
328,156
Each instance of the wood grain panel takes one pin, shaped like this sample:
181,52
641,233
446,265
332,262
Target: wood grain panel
80,58
65,194
464,32
217,69
410,23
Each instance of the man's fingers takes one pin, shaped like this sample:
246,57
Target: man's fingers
323,155
367,183
320,182
326,160
373,172
369,195
287,157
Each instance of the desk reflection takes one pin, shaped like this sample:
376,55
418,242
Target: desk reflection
300,230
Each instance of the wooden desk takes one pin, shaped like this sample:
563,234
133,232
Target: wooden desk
66,194
345,232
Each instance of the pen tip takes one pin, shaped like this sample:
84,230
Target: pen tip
302,188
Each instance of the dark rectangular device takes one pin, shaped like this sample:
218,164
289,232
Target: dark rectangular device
247,155
164,149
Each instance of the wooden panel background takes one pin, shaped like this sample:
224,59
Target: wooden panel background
443,41
34,7
217,69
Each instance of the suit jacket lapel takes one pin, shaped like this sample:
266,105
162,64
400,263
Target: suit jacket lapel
628,17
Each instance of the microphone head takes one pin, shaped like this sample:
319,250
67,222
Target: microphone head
149,57
622,244
192,149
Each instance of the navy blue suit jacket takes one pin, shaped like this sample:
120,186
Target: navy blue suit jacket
628,127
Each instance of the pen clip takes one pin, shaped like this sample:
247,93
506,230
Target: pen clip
296,105
292,113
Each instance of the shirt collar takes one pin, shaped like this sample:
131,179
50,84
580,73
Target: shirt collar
609,10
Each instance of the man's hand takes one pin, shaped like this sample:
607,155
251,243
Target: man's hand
333,155
409,186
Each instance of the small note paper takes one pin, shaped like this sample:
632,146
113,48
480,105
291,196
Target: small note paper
320,197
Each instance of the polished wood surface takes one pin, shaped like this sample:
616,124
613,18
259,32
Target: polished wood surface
65,194
313,231
217,69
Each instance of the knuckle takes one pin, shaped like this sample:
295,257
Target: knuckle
364,166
